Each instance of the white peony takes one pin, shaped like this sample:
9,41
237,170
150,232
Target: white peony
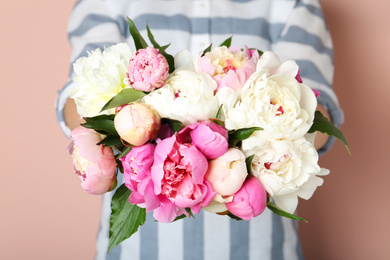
287,170
271,61
184,59
187,96
279,104
99,77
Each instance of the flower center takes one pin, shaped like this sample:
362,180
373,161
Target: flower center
173,175
279,109
229,67
276,166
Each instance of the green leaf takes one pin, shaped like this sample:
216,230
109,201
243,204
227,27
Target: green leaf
179,217
275,209
219,112
168,57
102,124
111,140
218,122
238,135
125,217
249,163
227,42
322,124
208,49
139,41
123,153
99,118
174,124
190,214
124,97
234,216
217,118
260,52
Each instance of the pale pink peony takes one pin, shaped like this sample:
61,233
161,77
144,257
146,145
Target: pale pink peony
94,164
137,165
148,69
229,67
207,136
227,173
178,181
137,123
250,201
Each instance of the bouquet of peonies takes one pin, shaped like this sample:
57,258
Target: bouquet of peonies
229,131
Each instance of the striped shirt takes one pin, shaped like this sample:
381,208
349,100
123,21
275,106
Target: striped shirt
293,29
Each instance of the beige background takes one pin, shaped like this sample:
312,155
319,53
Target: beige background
44,214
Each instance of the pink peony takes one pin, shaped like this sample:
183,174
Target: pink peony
148,69
165,132
178,180
208,137
137,165
250,201
137,123
94,164
229,67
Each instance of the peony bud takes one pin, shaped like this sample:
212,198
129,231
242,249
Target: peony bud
94,164
250,201
227,173
148,69
137,123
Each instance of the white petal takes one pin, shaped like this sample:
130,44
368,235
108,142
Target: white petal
287,202
268,60
184,59
308,100
215,207
289,68
307,189
323,172
310,137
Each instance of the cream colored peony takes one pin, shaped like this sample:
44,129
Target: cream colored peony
99,77
287,170
279,104
187,96
273,99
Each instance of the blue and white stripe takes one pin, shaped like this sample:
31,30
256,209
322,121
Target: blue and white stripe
208,236
294,29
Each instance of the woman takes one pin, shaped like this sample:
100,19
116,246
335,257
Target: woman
293,29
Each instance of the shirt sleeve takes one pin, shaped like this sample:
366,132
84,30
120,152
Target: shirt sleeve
91,25
306,39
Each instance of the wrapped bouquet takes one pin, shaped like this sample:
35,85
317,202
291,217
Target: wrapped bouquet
229,131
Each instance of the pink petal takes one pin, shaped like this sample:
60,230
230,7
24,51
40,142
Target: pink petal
166,212
160,155
152,201
211,144
195,162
